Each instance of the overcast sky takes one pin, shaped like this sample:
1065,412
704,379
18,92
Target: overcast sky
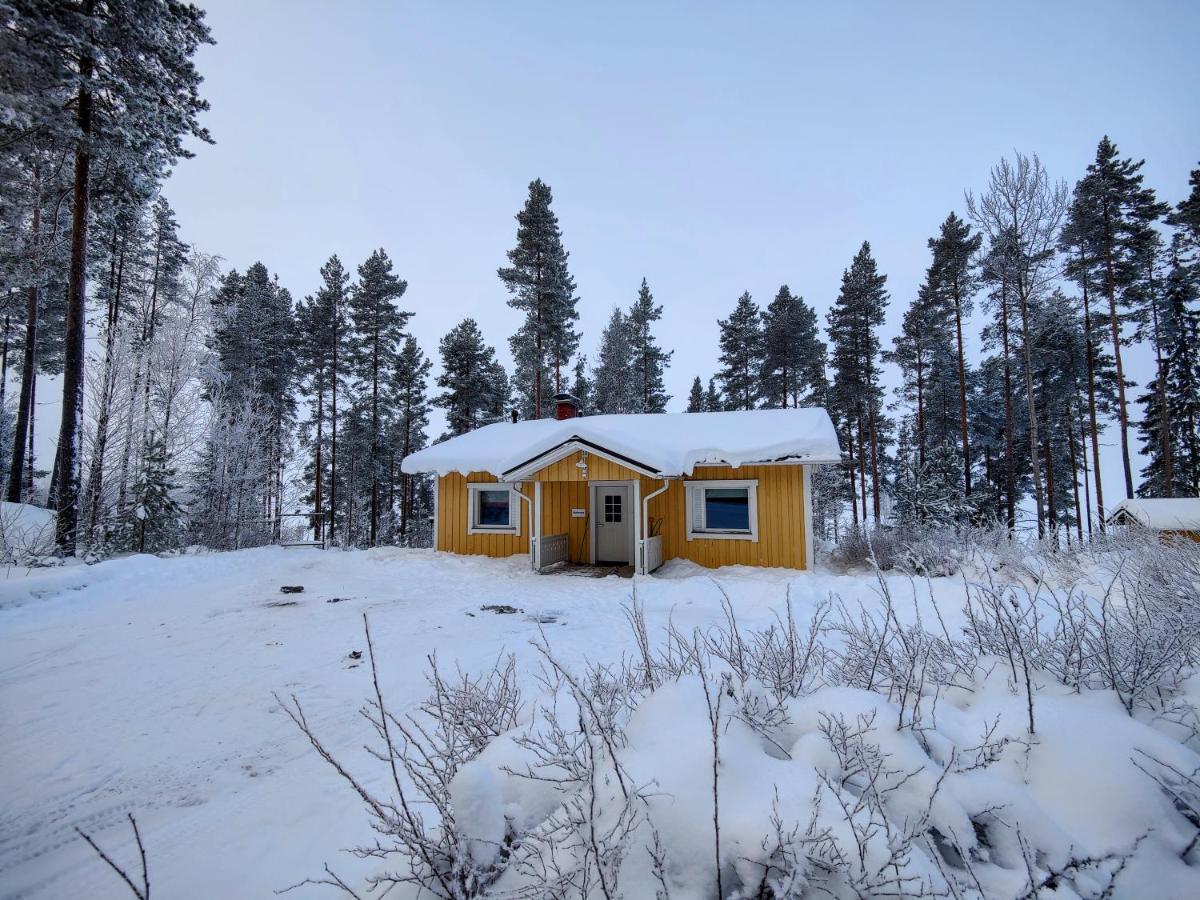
712,148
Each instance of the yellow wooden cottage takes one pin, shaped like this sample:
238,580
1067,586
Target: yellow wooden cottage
719,489
1170,517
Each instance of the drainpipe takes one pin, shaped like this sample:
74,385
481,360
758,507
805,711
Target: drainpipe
646,524
533,564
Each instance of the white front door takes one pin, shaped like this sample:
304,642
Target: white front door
614,523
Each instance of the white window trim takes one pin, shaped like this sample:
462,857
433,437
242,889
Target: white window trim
515,508
691,488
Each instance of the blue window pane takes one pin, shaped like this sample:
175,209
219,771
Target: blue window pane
727,509
493,508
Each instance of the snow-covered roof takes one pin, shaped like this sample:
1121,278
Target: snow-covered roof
1161,514
659,444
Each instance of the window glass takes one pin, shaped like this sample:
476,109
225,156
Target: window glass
727,509
612,508
493,508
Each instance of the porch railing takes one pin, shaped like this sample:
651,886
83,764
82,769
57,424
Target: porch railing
652,553
551,549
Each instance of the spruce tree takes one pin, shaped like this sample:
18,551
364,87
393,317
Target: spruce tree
793,367
712,397
156,514
855,396
1114,213
410,405
1170,428
542,288
741,355
474,385
614,391
696,396
649,360
581,386
377,328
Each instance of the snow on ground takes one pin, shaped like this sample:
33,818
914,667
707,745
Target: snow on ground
145,685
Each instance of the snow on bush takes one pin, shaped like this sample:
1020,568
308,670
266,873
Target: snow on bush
1048,748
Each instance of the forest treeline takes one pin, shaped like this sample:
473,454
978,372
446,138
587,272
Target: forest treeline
205,405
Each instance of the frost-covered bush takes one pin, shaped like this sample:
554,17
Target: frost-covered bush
918,550
1046,748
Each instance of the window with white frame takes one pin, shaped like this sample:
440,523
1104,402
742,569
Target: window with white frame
722,509
493,508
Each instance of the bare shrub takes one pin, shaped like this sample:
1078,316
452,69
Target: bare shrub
897,806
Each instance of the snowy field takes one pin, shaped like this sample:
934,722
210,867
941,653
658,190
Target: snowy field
145,685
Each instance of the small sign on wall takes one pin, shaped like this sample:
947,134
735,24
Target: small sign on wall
578,513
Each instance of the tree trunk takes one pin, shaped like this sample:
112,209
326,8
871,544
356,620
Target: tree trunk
24,424
318,522
73,362
96,469
1095,430
1074,472
1010,475
1031,404
1087,490
862,466
333,421
1115,324
1164,433
963,423
876,507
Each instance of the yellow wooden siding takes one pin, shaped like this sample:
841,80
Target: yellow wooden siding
781,537
558,499
598,469
780,519
453,519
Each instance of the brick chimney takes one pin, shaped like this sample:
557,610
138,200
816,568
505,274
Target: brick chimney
566,406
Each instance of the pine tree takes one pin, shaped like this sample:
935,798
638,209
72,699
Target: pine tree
613,388
474,385
376,328
924,353
649,361
1114,213
855,397
793,367
543,289
741,355
115,83
696,396
952,276
322,329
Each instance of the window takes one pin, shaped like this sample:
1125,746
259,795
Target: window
722,510
612,508
492,509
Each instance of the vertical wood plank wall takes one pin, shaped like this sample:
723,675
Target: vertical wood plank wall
452,521
781,537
